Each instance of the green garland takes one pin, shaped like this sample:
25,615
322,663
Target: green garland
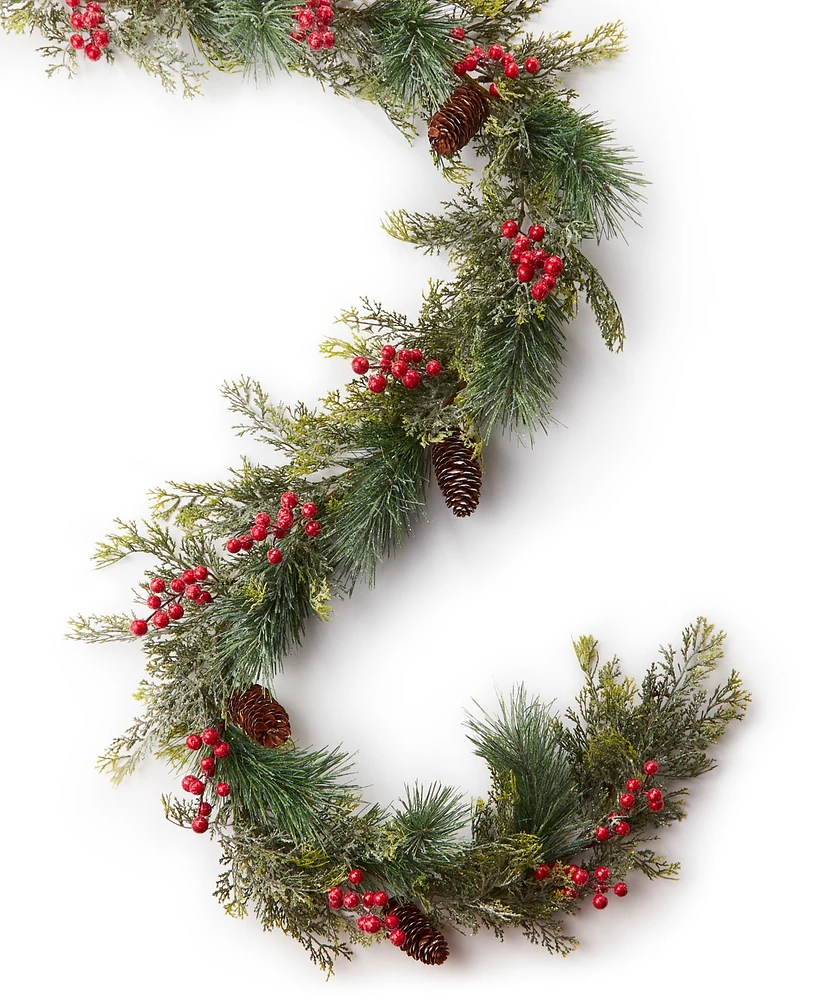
574,802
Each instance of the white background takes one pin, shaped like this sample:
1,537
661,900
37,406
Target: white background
152,247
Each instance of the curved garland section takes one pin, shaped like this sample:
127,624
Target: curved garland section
237,569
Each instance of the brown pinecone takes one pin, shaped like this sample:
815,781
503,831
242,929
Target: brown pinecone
260,716
458,121
424,942
458,475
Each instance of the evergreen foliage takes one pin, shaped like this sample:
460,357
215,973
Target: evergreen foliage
295,822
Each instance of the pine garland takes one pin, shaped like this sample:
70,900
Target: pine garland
241,567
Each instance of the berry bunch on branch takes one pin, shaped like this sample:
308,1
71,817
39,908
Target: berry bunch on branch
88,18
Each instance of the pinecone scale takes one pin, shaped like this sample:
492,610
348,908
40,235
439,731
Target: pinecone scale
458,121
260,716
458,475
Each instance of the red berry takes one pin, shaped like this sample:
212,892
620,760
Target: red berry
289,499
399,368
258,532
522,243
199,825
101,38
381,898
328,39
656,806
602,874
315,40
633,785
509,229
160,619
284,518
387,352
541,872
223,789
525,272
188,577
351,900
92,19
391,920
325,14
335,897
650,767
76,22
600,901
417,355
233,545
654,795
73,3
369,899
263,518
540,257
458,33
175,611
470,62
527,258
536,232
193,742
187,780
539,290
433,368
210,736
532,65
157,585
306,18
335,904
278,531
93,5
221,749
77,41
411,379
621,889
554,266
377,383
313,529
356,876
360,365
512,70
397,937
580,877
603,833
298,36
622,828
201,573
204,598
309,510
195,787
514,256
373,924
405,354
208,765
569,892
493,91
362,920
205,808
274,557
246,542
627,800
154,601
192,591
495,52
571,869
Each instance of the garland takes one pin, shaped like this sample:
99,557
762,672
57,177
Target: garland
238,568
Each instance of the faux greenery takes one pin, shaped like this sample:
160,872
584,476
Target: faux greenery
295,822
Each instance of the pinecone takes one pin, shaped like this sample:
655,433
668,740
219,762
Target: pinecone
424,942
458,121
260,716
458,475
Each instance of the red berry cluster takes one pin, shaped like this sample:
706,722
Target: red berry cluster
88,18
530,259
207,766
401,364
486,63
357,900
627,800
312,23
581,878
164,611
264,527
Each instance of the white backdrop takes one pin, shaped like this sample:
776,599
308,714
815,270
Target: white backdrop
152,247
